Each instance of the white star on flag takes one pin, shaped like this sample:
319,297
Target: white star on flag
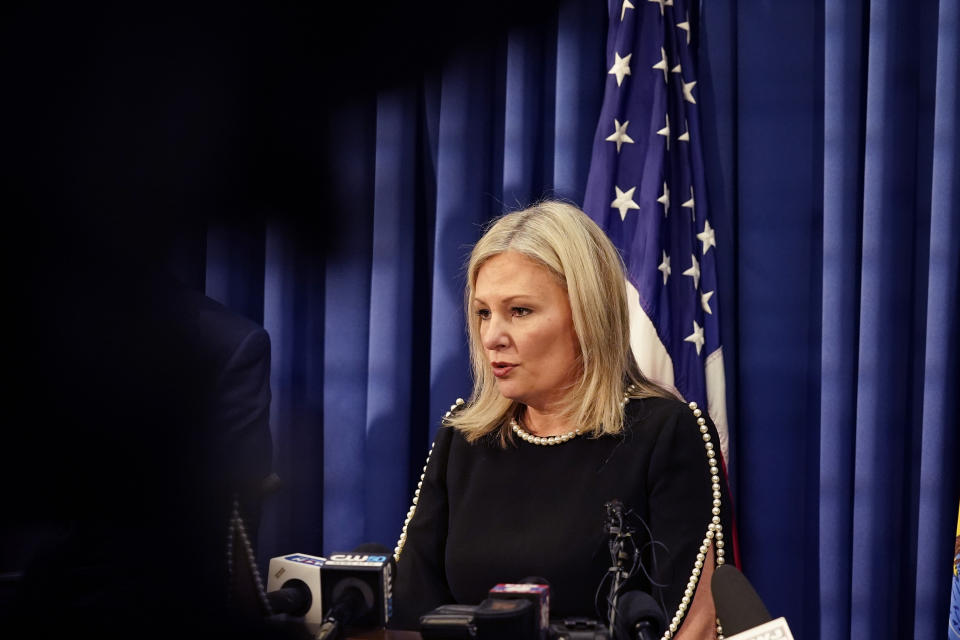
685,136
676,69
623,9
624,201
620,134
694,271
705,301
663,63
663,3
664,198
708,237
621,67
689,204
665,132
686,27
665,267
696,337
688,91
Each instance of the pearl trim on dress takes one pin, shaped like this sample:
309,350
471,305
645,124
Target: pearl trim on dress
713,535
416,494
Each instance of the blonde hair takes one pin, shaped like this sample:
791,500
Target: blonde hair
578,253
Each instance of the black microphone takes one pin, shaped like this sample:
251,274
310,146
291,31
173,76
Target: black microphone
294,598
357,590
536,590
507,619
511,611
740,610
293,587
639,617
738,605
616,527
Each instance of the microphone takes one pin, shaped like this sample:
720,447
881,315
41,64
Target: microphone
358,586
492,619
741,612
619,532
293,598
511,611
507,619
639,617
293,587
532,588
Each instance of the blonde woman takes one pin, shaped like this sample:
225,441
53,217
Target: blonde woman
561,421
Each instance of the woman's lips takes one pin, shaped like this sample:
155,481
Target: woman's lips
500,369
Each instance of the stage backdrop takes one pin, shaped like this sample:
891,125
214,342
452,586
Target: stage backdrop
831,163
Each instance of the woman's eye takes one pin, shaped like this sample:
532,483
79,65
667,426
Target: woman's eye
520,311
483,314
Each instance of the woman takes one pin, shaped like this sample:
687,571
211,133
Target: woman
561,422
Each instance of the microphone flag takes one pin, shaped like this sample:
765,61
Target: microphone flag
300,569
371,574
774,630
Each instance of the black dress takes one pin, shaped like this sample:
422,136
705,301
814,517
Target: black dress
485,514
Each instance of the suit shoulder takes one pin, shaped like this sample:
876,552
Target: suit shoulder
214,330
656,410
661,420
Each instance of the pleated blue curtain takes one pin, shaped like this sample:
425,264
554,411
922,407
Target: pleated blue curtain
368,343
762,112
835,140
938,446
832,166
894,473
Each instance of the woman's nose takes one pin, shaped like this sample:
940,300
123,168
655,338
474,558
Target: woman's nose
493,333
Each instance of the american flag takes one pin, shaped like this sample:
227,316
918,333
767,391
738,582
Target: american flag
646,189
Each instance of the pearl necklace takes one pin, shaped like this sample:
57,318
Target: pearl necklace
560,439
544,440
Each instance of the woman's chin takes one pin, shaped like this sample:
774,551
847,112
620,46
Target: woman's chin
509,391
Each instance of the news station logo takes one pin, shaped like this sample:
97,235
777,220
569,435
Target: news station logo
355,559
302,559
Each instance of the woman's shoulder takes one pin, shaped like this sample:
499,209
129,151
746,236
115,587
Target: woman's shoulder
657,409
656,418
448,434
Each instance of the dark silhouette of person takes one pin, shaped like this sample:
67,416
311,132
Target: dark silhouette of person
143,414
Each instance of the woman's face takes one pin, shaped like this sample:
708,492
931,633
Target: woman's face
526,328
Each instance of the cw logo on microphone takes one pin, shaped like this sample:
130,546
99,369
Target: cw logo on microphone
355,557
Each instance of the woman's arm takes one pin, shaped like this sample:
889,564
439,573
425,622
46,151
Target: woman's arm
421,583
690,516
701,620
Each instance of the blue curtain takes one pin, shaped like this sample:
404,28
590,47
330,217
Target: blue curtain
835,155
832,163
369,347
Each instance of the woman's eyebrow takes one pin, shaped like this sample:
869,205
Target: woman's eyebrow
509,299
